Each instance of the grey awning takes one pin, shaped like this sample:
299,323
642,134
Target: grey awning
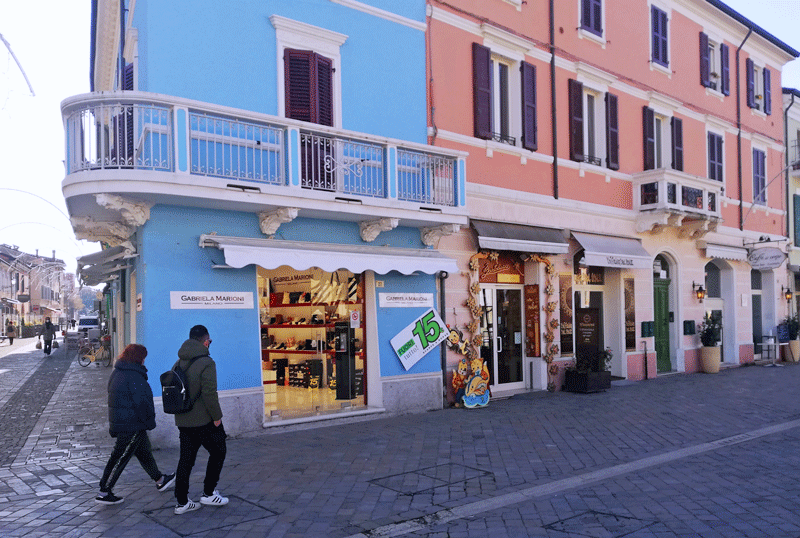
272,253
611,251
519,237
103,266
724,252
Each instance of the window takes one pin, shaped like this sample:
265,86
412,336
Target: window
594,126
759,177
592,16
663,141
498,113
714,65
759,87
659,36
715,156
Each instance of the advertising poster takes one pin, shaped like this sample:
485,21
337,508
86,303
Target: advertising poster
419,338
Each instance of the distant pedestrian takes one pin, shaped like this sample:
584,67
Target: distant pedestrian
48,332
130,414
72,323
202,426
11,332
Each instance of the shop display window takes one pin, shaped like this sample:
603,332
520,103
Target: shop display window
299,311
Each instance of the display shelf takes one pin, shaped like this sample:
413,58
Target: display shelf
298,326
307,351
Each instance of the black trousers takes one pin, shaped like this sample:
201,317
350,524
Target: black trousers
129,445
210,437
48,346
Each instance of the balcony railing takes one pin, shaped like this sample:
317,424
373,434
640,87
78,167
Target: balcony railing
678,192
140,131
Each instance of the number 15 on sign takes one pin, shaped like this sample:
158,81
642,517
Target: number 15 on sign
419,338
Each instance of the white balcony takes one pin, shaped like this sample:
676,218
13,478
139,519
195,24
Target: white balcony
669,198
149,148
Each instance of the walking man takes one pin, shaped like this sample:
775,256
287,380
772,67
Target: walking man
202,426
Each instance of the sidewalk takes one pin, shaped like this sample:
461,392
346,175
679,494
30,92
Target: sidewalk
682,455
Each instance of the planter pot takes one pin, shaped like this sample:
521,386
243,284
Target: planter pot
575,381
710,359
792,351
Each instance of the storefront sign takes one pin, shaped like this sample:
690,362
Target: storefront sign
565,312
180,300
405,300
765,258
419,338
502,268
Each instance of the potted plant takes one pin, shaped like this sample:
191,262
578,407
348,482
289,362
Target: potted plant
709,332
793,326
591,371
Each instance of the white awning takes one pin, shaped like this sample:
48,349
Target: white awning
519,237
608,251
272,253
725,252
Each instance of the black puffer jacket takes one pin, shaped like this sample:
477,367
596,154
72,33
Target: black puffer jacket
130,399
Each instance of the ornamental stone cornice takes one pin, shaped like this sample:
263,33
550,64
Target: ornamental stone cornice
270,222
112,233
371,229
133,212
431,236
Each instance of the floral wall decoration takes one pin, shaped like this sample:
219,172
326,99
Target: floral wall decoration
551,322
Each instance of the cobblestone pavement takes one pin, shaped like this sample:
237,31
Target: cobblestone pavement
682,455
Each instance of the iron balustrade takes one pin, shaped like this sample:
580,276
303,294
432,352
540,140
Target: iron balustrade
340,165
425,178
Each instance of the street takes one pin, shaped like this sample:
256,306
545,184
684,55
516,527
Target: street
682,455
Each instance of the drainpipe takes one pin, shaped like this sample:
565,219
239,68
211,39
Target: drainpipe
553,96
443,348
739,128
786,164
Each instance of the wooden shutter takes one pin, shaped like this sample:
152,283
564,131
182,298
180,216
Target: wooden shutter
298,83
591,16
324,91
482,91
767,91
575,120
725,76
659,37
677,143
612,132
705,61
529,127
751,84
649,137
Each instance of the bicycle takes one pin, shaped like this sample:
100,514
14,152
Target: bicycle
95,352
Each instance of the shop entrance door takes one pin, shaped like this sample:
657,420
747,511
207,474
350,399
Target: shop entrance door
661,324
501,328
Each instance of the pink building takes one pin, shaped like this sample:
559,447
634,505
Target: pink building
666,124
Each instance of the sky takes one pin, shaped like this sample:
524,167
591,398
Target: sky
51,42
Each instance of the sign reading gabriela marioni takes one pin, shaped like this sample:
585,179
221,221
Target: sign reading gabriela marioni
765,258
210,300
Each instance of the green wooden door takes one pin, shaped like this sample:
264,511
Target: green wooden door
661,329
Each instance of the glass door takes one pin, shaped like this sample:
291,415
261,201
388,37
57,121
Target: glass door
501,328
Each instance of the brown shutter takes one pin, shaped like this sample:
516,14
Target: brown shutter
575,120
612,132
324,91
725,81
751,89
705,70
677,143
649,138
298,83
528,106
767,91
482,91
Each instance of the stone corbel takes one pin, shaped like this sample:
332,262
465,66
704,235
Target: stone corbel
656,222
694,229
112,233
431,236
371,229
270,222
134,213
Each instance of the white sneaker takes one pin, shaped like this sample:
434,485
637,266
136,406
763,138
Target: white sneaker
215,499
188,507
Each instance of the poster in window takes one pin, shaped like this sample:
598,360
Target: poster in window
630,315
565,316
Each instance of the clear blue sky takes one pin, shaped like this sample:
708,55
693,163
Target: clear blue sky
51,41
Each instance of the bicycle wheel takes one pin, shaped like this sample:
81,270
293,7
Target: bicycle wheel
106,356
84,360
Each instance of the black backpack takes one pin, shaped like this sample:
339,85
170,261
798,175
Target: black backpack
175,390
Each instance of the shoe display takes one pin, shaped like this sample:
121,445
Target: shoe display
166,481
108,498
188,507
215,499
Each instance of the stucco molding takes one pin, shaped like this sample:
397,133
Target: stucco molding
270,222
431,236
371,229
112,233
134,213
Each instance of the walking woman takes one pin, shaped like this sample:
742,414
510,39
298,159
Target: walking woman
130,414
11,331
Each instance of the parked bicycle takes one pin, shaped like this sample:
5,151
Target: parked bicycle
95,351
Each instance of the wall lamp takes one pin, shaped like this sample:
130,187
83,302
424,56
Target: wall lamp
699,290
787,293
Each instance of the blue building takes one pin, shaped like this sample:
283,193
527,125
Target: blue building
261,168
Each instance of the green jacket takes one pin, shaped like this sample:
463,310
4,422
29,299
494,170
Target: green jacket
202,376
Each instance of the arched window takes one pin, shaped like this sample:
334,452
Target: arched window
712,281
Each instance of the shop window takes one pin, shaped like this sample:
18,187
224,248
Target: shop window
299,313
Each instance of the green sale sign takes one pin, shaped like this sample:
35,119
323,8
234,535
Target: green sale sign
416,340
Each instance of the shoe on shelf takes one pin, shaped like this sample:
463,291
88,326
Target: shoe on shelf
166,481
107,498
215,499
188,507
